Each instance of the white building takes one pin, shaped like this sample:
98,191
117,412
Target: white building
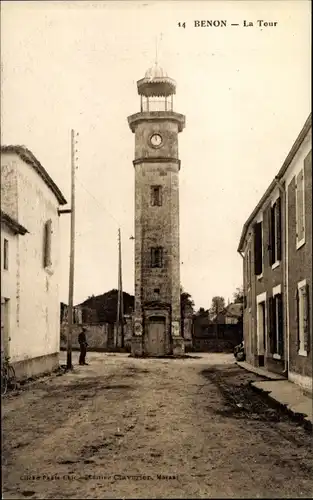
30,304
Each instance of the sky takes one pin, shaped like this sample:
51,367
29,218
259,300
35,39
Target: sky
245,92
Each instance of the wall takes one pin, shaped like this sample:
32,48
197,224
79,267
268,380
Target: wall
222,339
295,265
9,279
249,307
99,337
269,279
299,262
9,201
37,328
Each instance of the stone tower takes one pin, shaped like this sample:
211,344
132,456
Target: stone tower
157,321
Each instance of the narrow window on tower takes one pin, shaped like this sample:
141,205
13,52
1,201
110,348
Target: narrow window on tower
157,257
156,196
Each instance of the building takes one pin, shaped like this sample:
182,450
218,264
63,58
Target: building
233,313
276,246
215,336
30,305
157,316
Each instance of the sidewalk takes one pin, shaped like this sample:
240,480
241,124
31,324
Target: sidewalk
283,392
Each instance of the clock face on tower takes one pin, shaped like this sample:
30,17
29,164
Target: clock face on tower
156,140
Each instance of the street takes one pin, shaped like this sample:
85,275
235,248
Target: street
151,428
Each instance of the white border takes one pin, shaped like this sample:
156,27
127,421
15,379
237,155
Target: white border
276,290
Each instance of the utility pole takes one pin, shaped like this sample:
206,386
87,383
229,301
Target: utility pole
120,305
121,290
69,364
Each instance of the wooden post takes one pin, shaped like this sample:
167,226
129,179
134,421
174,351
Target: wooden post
120,305
121,291
69,364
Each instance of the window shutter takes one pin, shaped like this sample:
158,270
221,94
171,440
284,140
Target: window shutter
160,257
157,257
249,267
160,196
297,318
271,324
258,248
270,235
280,347
47,243
278,228
300,207
306,326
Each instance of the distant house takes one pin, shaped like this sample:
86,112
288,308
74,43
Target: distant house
215,335
230,315
233,313
30,306
276,246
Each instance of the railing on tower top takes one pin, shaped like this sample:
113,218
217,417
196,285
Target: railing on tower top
161,104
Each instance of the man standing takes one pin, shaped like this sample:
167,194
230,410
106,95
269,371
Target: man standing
83,347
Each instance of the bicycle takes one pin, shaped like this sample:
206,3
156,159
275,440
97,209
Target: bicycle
8,377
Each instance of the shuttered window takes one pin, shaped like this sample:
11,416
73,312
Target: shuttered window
278,229
276,325
275,232
157,257
302,309
258,250
300,230
279,323
156,196
248,268
47,261
271,325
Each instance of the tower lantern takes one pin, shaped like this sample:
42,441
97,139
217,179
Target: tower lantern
156,90
157,321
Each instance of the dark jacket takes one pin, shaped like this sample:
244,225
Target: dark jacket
82,339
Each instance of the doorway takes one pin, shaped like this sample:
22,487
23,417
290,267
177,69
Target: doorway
155,336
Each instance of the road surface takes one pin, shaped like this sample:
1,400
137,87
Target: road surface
151,428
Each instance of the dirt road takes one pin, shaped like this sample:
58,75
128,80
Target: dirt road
151,428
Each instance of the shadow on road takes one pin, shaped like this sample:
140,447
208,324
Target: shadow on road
240,400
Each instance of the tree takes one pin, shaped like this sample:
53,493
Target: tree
238,295
185,302
217,306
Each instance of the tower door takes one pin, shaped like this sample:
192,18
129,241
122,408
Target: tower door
155,336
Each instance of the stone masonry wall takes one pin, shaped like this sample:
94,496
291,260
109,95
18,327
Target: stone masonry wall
157,225
98,336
